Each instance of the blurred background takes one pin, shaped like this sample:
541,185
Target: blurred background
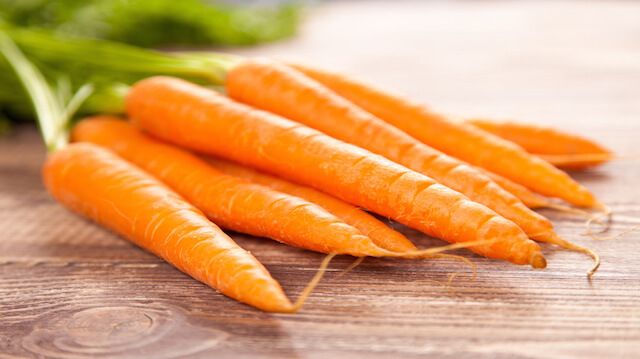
529,60
154,23
573,65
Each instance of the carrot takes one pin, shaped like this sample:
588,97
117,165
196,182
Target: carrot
539,139
285,91
236,203
229,201
460,140
578,162
532,199
560,148
528,197
99,185
198,118
381,234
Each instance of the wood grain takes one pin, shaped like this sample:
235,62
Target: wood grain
69,289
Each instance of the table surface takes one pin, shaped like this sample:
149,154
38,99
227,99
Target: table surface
70,289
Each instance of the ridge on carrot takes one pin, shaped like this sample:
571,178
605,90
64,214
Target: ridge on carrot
562,149
460,140
198,118
380,233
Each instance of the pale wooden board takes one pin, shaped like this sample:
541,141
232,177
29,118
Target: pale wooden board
71,289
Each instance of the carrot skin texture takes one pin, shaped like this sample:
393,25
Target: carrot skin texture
228,201
577,161
529,198
283,90
547,142
460,140
198,118
97,184
539,139
381,234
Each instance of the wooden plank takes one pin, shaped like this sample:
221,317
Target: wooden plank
69,289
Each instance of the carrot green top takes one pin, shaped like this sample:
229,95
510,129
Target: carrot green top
54,107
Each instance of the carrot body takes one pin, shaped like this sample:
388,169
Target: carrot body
381,234
460,140
201,119
529,198
285,91
560,148
578,161
97,184
540,140
230,202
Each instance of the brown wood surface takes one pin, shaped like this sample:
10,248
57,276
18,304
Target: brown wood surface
69,289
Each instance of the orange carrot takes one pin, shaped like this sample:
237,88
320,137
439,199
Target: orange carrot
531,199
229,201
282,90
381,234
100,185
460,140
198,118
560,148
285,91
528,197
577,161
97,184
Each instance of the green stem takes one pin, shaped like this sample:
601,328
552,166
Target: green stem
110,66
73,106
52,113
111,56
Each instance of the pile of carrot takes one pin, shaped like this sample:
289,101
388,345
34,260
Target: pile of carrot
305,157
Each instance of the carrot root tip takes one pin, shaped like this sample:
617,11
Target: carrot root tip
556,240
538,261
568,209
474,268
607,214
616,236
351,266
313,283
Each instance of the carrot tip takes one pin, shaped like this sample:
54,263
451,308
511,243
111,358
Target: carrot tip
538,261
567,209
557,240
351,266
311,285
607,214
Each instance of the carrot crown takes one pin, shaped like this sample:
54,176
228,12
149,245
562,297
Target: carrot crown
109,66
124,63
54,106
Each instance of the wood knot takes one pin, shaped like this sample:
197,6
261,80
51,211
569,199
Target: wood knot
123,331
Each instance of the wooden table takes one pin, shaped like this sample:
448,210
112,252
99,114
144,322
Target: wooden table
70,289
